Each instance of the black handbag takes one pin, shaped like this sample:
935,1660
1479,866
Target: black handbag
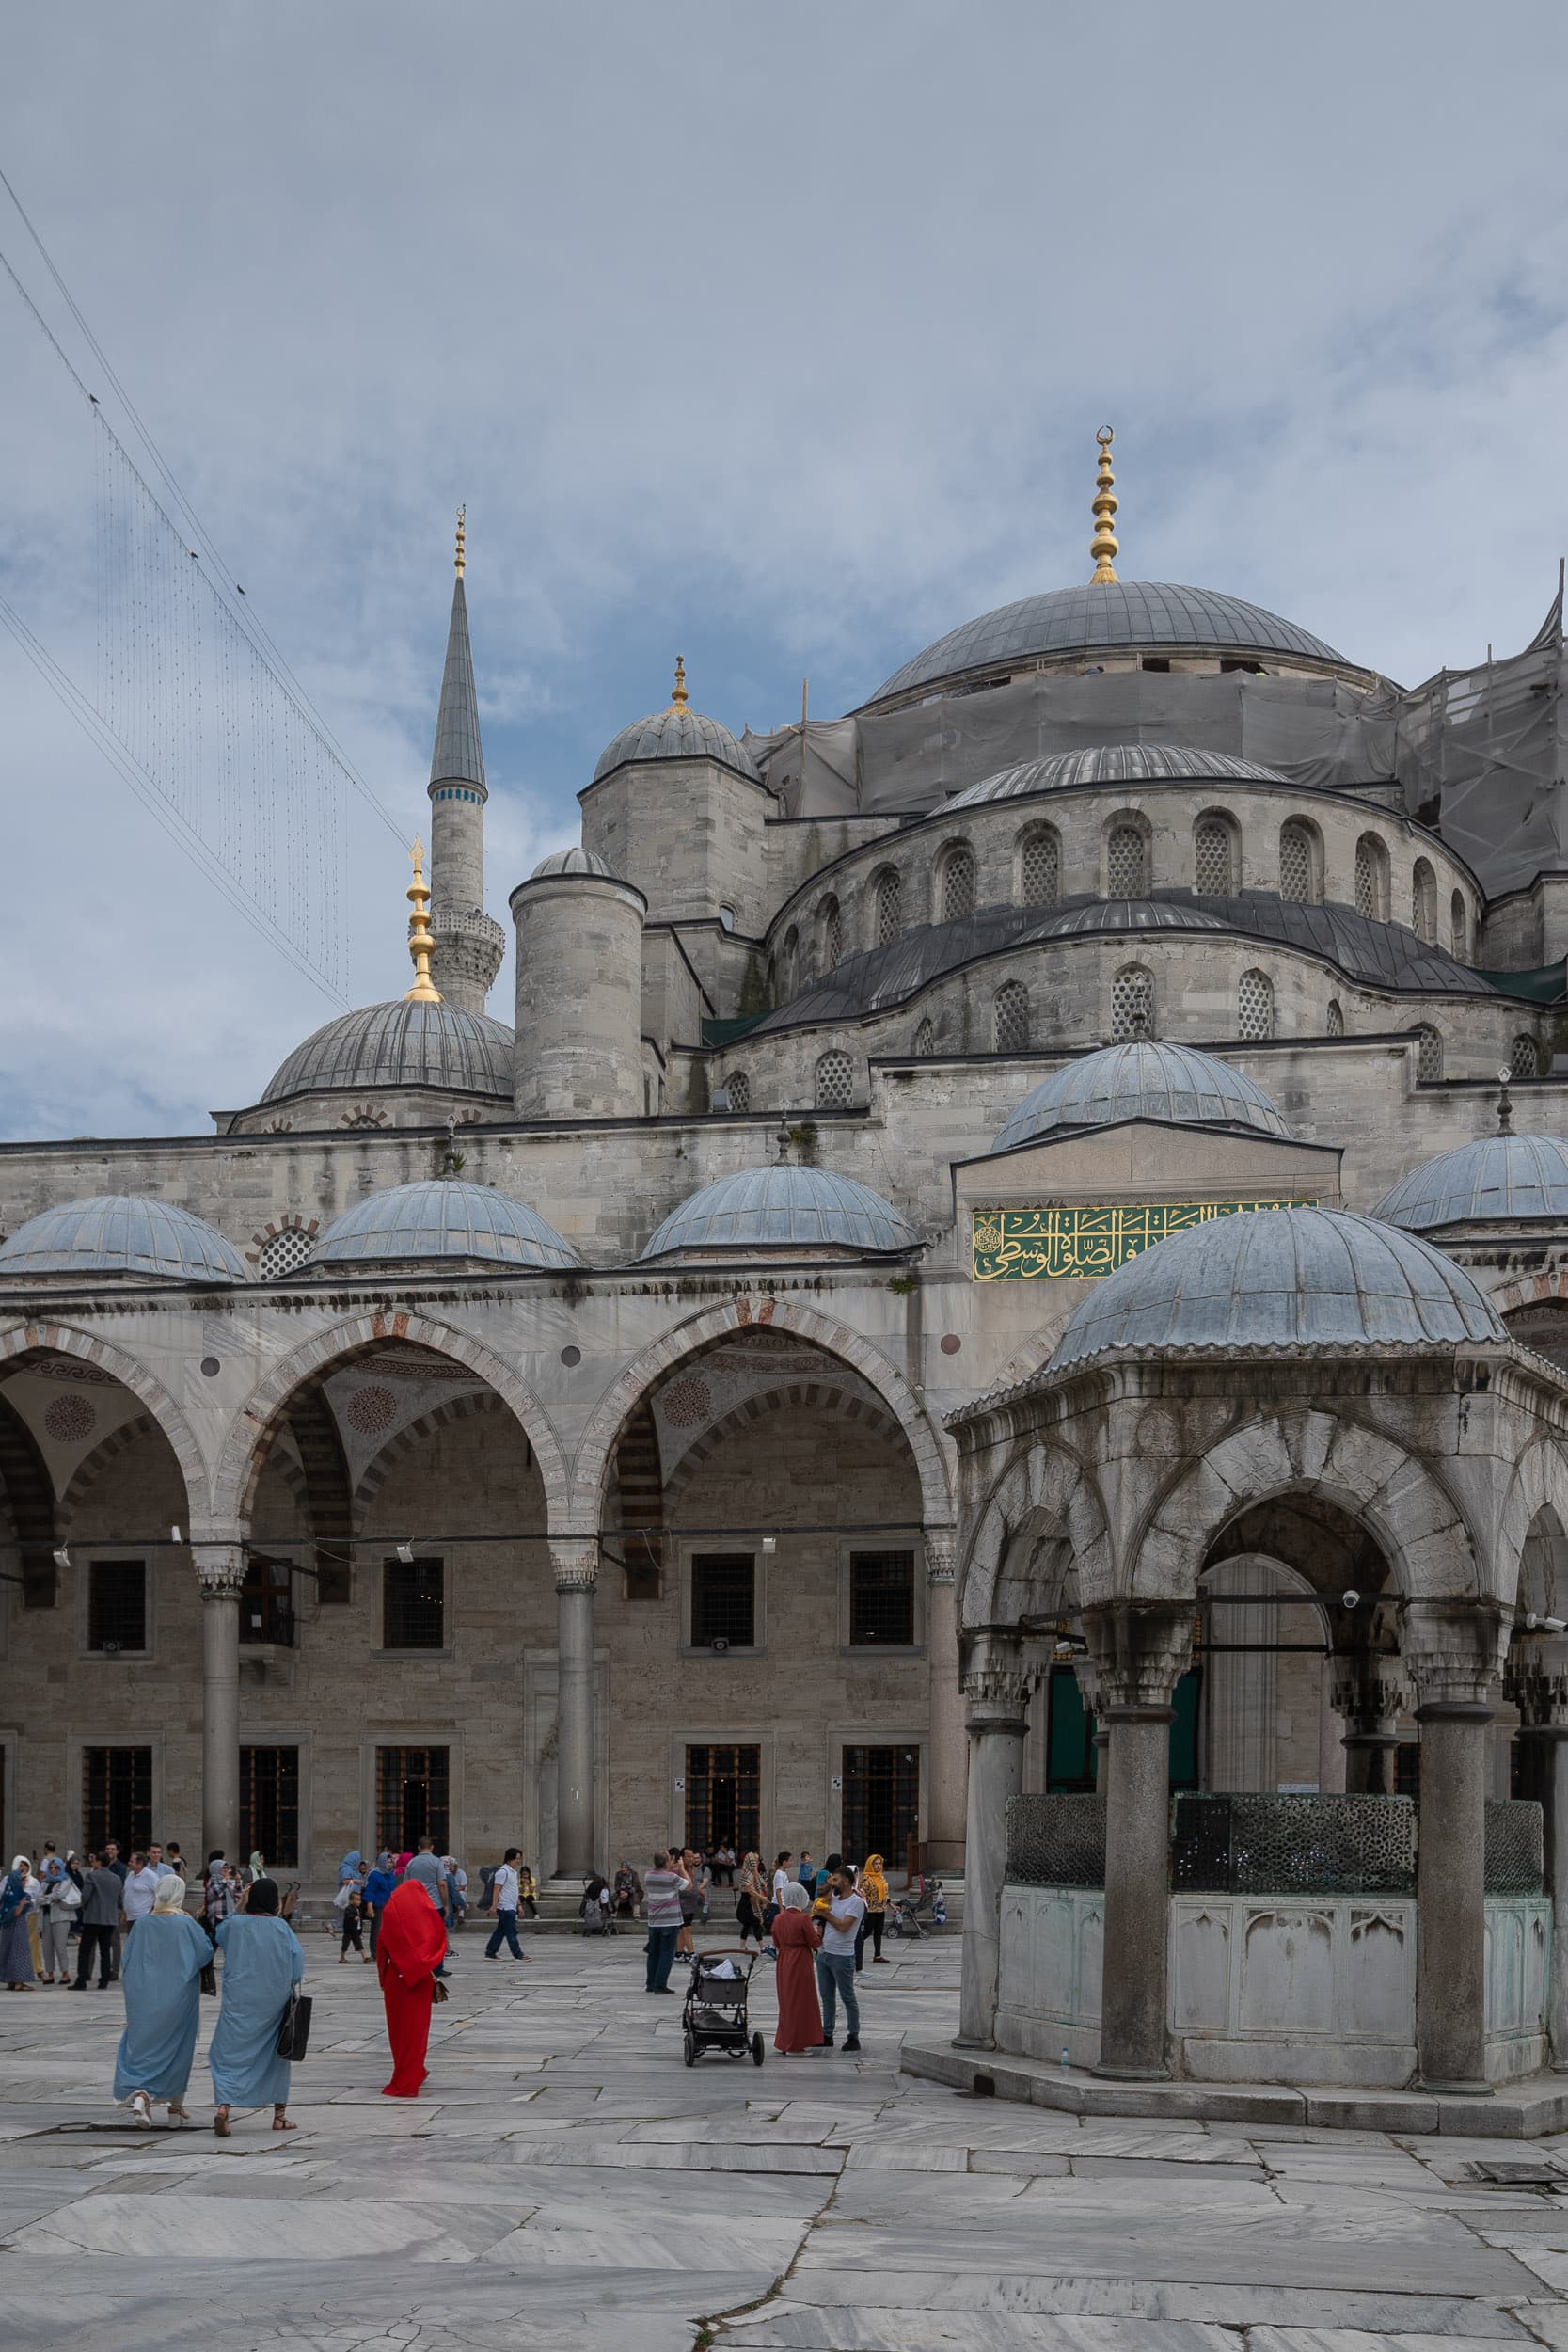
208,1980
293,2034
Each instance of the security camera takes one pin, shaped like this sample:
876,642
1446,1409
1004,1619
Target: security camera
719,1644
405,1554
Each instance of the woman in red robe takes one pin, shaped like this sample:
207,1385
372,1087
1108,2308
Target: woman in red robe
796,1938
410,1946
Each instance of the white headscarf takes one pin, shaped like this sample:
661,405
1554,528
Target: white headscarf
170,1894
795,1898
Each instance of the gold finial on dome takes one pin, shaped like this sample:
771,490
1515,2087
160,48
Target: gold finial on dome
1103,547
462,526
421,945
678,696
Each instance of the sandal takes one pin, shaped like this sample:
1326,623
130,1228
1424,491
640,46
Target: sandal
142,2108
281,2123
220,2122
177,2115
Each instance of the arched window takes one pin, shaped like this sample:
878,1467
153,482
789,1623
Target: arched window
284,1252
1132,1003
1371,877
1429,1054
1424,902
738,1088
1009,1019
1126,862
1335,1027
1039,866
925,1039
888,901
1300,864
1255,1006
1459,928
789,966
957,885
835,1080
1215,856
830,919
1524,1061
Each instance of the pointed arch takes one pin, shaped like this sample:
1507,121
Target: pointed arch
809,1395
1044,1497
59,1339
376,1471
751,1313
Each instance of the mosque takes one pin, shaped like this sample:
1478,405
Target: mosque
1009,1270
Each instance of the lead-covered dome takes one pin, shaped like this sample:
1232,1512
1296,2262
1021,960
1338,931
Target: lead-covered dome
123,1233
1106,613
400,1045
676,734
1114,763
793,1208
575,860
1290,1279
1143,1080
1496,1177
442,1217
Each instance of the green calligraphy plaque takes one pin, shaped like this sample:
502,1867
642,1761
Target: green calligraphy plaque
1041,1244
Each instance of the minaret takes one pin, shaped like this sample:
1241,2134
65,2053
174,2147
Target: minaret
470,944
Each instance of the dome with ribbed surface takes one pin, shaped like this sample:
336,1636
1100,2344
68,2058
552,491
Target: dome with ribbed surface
1290,1279
400,1045
575,860
1142,1080
793,1208
1496,1177
1114,763
442,1218
123,1233
676,734
1100,616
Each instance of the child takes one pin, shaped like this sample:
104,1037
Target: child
348,1898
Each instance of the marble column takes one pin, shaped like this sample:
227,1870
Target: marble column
1452,1651
996,1696
1370,1692
945,1805
1536,1679
1140,1652
220,1574
575,1562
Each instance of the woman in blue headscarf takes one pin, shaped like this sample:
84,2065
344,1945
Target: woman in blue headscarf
351,1867
261,1964
161,1973
17,1972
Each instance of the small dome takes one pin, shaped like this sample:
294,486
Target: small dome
676,734
575,860
796,1208
1284,1278
1142,1080
400,1045
1096,615
1498,1177
121,1233
442,1218
1114,763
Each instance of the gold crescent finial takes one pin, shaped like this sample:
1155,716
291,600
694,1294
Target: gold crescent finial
678,698
1103,547
457,560
421,943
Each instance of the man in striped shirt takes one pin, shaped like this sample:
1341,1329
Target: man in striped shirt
663,1887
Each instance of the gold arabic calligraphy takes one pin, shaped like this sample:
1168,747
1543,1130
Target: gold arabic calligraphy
1033,1244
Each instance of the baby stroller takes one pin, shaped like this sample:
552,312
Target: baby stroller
920,1907
715,2015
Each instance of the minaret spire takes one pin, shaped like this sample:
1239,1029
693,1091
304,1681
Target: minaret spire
469,945
421,944
1103,547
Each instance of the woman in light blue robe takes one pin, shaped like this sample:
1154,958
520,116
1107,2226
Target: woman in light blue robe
163,1957
261,1963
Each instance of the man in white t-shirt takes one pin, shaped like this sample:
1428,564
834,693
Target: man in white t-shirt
835,1962
141,1885
503,1902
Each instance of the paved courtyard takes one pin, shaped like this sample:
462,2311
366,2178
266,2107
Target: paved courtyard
567,2183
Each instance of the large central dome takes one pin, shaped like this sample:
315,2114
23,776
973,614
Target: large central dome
1102,615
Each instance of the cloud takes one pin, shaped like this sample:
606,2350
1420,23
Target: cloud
775,339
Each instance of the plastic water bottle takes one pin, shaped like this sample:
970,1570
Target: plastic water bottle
1065,2065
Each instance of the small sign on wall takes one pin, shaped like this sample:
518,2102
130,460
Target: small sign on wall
680,1787
836,1782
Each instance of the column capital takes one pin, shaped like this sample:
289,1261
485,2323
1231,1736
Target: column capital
1535,1679
219,1569
575,1562
942,1552
1452,1651
996,1682
1369,1688
1140,1650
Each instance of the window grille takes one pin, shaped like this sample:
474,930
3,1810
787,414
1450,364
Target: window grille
411,1799
1295,864
1009,1018
117,1799
117,1606
1126,864
1131,1004
957,886
881,1598
832,933
1255,1006
1336,1017
1424,902
267,1604
835,1080
1429,1054
925,1039
1214,858
881,1801
1371,891
738,1088
1523,1061
415,1613
724,1798
890,914
1459,929
1042,867
723,1599
269,1804
283,1253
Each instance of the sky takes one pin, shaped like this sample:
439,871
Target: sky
776,337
